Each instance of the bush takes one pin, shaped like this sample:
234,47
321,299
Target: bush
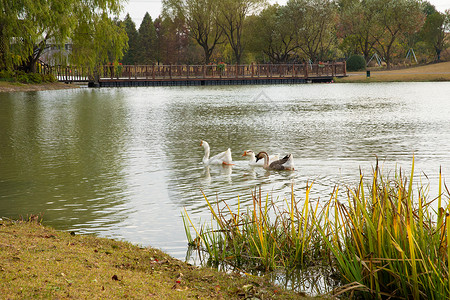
356,63
48,78
6,75
21,76
34,78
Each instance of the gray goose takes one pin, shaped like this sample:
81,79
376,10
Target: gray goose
286,163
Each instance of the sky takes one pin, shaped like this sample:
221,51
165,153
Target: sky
138,8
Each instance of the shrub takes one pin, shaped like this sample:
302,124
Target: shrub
356,63
6,75
48,78
23,78
34,77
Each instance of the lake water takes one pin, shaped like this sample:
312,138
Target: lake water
125,162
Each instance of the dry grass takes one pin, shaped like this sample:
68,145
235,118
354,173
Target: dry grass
433,72
39,262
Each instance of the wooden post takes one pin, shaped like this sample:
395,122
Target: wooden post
237,70
204,71
135,72
345,68
170,71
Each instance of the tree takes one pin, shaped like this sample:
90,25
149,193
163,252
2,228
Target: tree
232,21
201,19
146,41
28,27
172,42
358,28
130,57
395,19
272,33
315,22
433,32
98,40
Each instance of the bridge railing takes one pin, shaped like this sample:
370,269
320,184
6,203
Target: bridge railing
218,71
222,71
71,73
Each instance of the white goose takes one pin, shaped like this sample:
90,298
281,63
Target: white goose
223,158
252,162
286,163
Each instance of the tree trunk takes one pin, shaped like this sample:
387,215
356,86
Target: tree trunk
207,54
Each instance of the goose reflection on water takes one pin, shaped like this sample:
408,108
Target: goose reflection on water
224,171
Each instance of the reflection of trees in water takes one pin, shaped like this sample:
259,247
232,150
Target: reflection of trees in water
66,149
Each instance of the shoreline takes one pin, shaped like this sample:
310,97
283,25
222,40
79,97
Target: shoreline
6,87
41,262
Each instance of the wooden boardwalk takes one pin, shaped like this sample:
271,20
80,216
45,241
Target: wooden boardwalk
173,75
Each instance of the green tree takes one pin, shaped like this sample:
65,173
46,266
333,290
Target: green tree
358,28
28,27
232,14
395,19
146,41
130,56
201,19
272,33
433,33
315,22
98,40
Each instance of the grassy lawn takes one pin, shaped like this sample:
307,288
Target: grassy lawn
433,72
39,262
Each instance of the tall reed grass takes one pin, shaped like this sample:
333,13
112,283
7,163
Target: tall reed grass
384,237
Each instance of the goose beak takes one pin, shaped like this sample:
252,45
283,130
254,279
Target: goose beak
201,143
245,153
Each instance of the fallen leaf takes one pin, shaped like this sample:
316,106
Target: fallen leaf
115,278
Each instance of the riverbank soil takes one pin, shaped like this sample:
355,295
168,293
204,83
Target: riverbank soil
21,87
432,72
40,262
